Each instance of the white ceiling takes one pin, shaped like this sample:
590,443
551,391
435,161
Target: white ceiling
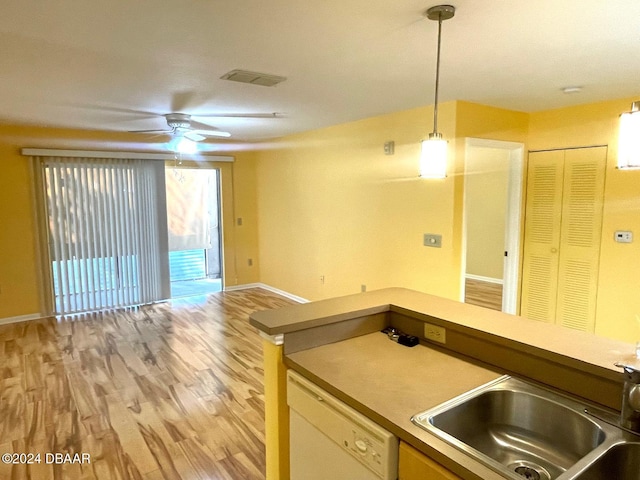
120,64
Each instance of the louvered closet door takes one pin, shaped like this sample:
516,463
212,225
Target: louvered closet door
563,225
542,235
581,229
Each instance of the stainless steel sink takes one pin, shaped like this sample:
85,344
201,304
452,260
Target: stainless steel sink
620,462
525,431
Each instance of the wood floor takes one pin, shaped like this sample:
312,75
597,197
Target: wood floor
167,391
483,294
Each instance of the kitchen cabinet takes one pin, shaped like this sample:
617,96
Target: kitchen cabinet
414,465
563,225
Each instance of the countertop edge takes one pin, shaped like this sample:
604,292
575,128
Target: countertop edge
580,350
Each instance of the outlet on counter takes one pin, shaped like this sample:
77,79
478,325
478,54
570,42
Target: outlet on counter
435,333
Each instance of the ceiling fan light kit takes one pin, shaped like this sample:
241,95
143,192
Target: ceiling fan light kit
183,145
433,151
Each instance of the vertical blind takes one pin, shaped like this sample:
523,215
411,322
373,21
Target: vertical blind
104,219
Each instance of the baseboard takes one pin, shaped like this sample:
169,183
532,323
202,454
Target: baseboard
480,278
295,298
264,286
20,318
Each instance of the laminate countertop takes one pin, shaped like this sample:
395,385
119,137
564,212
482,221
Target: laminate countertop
582,350
389,383
336,343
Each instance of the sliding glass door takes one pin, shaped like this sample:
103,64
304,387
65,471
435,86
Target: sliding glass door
105,232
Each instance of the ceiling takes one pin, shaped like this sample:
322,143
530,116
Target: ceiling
118,65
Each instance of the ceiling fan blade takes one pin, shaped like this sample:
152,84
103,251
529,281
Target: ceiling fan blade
211,133
208,130
240,115
112,109
151,131
193,135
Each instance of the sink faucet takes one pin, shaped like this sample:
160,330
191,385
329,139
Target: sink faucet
630,414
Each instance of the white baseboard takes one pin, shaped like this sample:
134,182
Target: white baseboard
295,298
20,318
288,295
480,278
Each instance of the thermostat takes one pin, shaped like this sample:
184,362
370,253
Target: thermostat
623,237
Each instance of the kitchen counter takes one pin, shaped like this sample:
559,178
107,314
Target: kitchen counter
337,344
389,383
583,350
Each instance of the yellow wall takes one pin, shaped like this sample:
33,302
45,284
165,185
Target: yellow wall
332,204
244,207
19,280
487,182
618,303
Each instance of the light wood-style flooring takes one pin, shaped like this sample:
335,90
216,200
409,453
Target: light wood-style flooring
483,294
166,391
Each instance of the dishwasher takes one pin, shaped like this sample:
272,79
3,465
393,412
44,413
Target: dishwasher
330,440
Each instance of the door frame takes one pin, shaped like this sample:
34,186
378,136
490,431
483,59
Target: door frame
513,224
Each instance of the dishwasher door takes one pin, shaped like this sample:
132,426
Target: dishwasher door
330,440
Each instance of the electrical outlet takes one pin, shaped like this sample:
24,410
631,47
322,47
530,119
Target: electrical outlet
363,288
250,262
435,333
321,279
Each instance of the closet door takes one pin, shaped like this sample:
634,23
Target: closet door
563,226
543,213
581,229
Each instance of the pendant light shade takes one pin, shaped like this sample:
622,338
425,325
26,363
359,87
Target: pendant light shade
629,138
433,155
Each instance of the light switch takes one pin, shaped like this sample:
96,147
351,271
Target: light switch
432,240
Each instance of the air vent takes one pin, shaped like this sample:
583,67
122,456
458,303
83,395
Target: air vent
254,78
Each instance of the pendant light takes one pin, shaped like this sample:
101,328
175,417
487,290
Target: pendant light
433,155
629,138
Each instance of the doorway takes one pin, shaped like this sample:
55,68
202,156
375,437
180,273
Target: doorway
492,213
193,220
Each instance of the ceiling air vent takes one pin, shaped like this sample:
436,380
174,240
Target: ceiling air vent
253,78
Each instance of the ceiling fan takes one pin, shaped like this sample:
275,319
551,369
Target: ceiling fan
181,125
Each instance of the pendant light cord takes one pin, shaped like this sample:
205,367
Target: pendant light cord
435,104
